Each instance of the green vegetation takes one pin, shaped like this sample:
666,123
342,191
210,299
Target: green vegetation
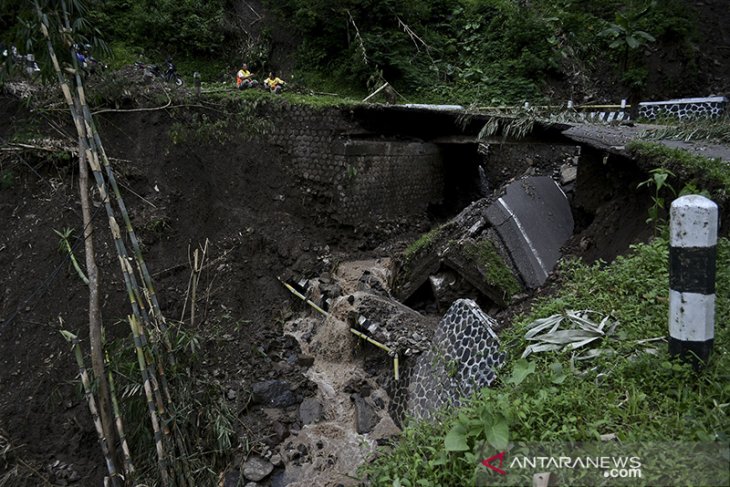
627,386
715,130
65,246
237,119
185,27
201,412
293,95
423,242
711,174
658,181
493,51
7,179
496,272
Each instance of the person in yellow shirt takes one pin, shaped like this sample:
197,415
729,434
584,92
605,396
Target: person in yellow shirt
244,78
274,83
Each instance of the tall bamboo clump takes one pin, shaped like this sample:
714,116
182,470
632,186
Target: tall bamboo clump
147,322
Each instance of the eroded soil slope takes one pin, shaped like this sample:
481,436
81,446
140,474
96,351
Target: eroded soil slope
185,185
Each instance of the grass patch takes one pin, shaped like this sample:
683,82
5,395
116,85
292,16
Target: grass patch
423,242
631,389
293,95
496,272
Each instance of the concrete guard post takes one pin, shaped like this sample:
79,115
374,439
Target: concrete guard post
692,264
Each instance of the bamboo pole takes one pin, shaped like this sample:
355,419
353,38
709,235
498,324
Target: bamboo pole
89,395
79,109
375,92
94,313
196,273
160,448
303,298
381,346
396,371
129,469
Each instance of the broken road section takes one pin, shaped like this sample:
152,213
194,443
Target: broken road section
495,248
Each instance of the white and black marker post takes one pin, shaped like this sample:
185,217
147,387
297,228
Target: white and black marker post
692,262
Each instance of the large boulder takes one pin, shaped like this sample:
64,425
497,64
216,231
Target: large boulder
274,394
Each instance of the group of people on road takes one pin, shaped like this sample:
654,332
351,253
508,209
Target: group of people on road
245,79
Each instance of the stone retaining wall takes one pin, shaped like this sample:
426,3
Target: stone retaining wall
684,108
681,108
356,178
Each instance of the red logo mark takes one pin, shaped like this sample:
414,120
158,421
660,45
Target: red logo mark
488,463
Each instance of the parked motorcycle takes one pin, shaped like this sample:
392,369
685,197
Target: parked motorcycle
26,62
154,71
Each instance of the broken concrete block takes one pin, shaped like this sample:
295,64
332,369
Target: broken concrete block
391,323
485,265
568,174
534,220
465,245
447,286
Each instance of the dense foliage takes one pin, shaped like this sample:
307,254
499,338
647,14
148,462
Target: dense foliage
493,51
185,27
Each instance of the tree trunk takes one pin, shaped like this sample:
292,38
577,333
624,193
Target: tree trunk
95,322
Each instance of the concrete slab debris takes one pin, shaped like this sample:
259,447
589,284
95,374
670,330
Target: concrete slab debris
534,220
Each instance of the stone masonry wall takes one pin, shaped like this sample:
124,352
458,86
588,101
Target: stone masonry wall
685,108
351,175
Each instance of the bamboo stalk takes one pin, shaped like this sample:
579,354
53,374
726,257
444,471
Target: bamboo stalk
87,133
94,311
304,298
129,469
197,269
89,395
196,273
161,455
